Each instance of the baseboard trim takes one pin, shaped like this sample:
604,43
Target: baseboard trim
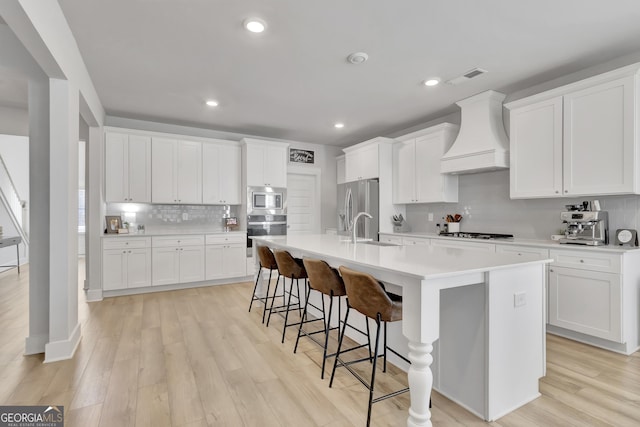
35,344
64,349
94,295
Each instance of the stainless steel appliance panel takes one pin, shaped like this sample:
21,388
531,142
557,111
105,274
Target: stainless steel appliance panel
274,197
359,196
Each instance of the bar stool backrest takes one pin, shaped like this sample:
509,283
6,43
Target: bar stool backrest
366,295
267,260
324,278
289,266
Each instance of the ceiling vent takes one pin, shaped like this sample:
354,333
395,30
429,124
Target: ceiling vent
466,76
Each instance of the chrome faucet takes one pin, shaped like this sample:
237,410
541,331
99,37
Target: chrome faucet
354,226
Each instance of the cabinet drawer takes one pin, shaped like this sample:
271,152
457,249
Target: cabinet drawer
415,241
391,239
463,245
218,239
185,240
126,243
541,253
585,260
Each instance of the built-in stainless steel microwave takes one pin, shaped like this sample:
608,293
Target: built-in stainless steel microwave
266,199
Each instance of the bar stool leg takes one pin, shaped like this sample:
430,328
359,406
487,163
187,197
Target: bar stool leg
335,362
304,316
275,291
255,287
327,330
267,296
286,313
373,371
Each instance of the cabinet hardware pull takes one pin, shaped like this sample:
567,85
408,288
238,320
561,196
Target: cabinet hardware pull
581,260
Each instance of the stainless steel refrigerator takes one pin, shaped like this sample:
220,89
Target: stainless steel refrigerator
359,196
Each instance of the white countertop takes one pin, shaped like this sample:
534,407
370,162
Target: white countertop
174,231
425,262
550,244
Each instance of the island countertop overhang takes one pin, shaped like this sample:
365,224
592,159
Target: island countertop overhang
418,262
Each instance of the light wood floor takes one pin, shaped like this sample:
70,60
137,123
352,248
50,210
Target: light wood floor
197,358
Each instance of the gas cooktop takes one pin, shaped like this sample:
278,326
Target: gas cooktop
483,236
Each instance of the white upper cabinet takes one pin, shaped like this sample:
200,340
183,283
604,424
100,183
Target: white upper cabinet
577,140
416,167
176,171
340,169
221,173
266,163
361,162
127,168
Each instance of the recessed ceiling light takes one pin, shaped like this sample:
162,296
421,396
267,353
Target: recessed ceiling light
432,81
338,125
255,25
212,103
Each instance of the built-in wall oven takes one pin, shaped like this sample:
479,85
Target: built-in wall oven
266,213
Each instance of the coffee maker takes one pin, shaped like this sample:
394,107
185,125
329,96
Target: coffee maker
586,225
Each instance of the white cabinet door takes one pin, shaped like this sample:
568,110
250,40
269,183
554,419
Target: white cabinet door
362,163
127,168
586,301
234,259
599,128
540,253
163,170
221,183
139,169
191,264
138,268
463,245
230,170
114,265
266,164
431,185
386,238
340,170
213,262
404,172
536,150
275,169
409,241
116,167
189,176
165,268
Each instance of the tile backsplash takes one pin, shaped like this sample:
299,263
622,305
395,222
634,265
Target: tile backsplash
170,215
485,206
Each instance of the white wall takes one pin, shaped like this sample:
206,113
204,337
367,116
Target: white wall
15,153
14,121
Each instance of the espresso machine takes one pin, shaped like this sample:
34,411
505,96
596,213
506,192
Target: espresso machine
586,224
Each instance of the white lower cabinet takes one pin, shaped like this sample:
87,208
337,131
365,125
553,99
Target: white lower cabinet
126,263
225,256
586,301
415,241
540,253
177,259
386,238
449,243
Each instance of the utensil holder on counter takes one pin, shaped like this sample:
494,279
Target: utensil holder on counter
453,227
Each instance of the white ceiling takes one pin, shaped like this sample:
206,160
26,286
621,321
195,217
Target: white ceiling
160,60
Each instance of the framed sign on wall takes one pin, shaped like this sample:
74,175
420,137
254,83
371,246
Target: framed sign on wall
297,155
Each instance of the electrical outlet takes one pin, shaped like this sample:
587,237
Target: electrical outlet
185,216
430,216
519,299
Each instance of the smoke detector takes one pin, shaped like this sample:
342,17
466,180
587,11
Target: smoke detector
357,57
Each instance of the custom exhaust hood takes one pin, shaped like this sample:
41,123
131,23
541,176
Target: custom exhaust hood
482,144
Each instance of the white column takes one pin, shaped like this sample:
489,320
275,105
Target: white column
64,329
38,216
95,213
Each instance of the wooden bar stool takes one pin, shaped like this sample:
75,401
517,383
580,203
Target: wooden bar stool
267,261
367,295
326,280
293,268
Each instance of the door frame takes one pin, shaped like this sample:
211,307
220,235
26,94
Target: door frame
317,172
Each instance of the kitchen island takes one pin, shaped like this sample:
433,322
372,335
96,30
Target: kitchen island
474,322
